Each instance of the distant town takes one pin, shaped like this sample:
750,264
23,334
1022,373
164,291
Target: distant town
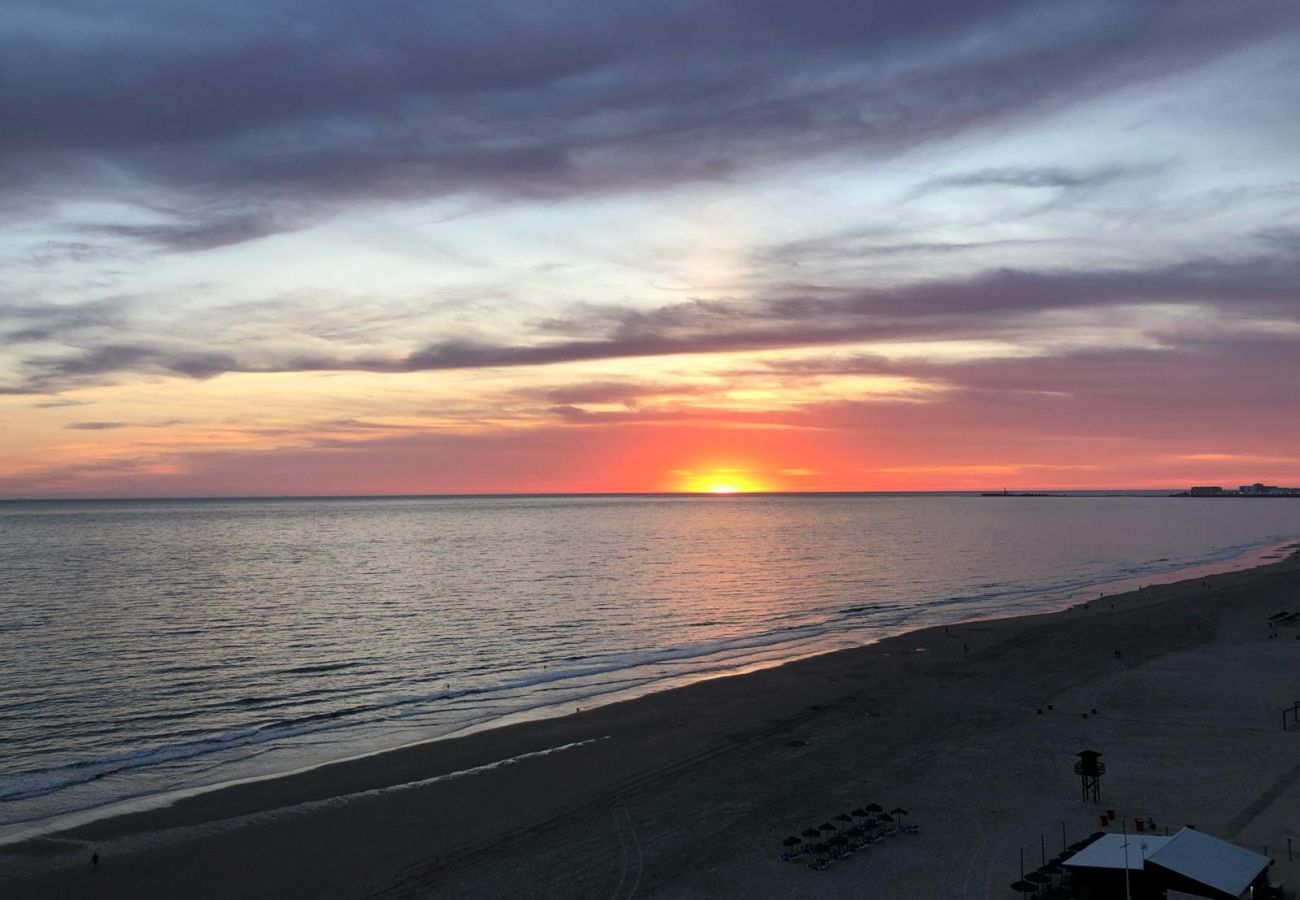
1246,490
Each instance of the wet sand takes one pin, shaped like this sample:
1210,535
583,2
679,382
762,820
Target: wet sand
688,793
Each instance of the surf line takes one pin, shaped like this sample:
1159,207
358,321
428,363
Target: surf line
464,773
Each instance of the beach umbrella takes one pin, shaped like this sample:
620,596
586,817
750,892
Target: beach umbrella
792,841
860,813
811,833
1051,869
898,811
1023,886
856,831
1037,877
884,817
844,817
826,826
819,849
874,807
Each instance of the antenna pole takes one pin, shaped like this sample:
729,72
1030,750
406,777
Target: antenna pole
1123,825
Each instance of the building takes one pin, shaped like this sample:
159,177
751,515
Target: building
1206,491
1185,864
1257,489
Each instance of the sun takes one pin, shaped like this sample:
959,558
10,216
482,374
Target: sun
719,480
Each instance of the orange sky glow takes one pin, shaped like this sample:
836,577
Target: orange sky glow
315,434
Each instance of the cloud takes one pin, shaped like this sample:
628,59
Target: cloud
97,426
30,322
1045,177
115,358
629,393
111,426
999,303
250,110
198,234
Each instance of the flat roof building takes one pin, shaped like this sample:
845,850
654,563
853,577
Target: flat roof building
1187,863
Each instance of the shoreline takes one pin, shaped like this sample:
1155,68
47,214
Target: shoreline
1242,559
700,733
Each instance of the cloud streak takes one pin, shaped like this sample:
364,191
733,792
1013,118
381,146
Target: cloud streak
996,303
404,102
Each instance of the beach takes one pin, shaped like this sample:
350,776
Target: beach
689,792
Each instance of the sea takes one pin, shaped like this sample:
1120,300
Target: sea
154,648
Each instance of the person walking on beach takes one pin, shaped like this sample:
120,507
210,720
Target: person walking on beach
94,860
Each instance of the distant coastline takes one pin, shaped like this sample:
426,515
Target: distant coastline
1255,490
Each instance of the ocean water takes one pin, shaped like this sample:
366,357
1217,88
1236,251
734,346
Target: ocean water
150,647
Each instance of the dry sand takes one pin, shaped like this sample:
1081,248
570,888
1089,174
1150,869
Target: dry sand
688,793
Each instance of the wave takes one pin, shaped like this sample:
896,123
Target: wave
576,677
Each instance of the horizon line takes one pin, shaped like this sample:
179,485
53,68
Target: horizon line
543,494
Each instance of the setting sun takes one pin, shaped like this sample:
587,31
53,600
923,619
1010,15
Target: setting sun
718,480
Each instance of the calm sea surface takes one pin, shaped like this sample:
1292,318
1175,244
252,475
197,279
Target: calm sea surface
150,647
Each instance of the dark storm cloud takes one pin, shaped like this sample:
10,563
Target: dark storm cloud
313,104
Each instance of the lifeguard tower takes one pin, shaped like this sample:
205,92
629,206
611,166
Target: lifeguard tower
1090,768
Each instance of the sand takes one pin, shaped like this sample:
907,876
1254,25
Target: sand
688,793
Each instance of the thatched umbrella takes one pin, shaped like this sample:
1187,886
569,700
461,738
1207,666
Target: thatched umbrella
844,817
792,841
826,826
874,807
860,813
884,817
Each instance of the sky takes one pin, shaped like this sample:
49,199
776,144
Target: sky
325,247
